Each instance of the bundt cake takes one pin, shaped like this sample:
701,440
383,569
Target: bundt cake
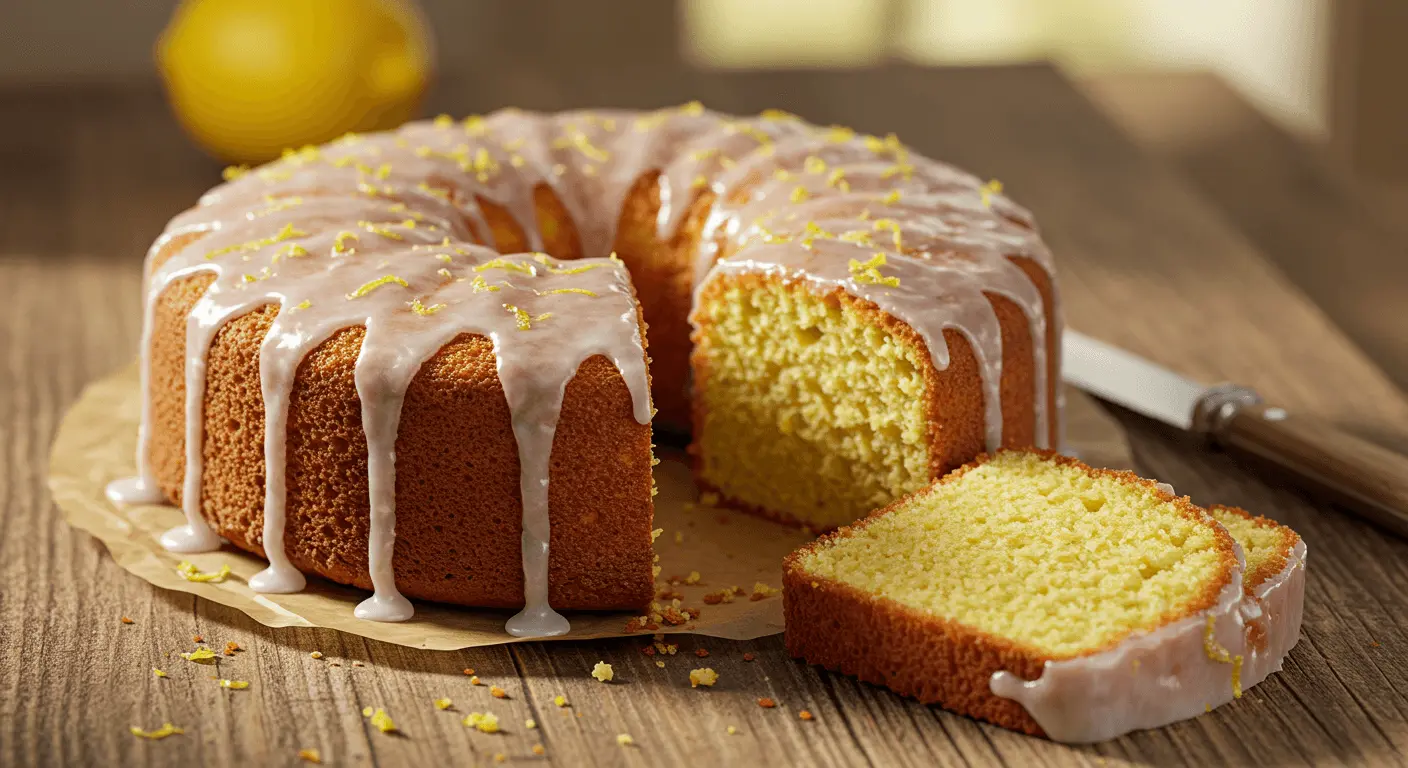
1031,591
415,361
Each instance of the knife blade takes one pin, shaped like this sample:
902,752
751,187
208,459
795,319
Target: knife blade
1368,480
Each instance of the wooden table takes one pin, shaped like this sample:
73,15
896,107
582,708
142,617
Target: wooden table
88,177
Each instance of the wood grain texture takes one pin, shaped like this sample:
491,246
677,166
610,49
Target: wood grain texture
91,177
1342,242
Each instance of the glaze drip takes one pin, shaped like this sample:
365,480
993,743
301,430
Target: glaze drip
388,232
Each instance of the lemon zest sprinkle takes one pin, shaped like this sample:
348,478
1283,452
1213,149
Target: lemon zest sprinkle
199,655
189,572
521,317
372,285
382,229
423,310
166,729
506,264
993,187
287,233
339,243
868,272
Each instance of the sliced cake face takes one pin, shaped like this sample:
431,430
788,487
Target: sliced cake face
806,408
1275,589
1045,554
1267,545
1034,592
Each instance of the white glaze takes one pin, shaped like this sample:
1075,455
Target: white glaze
1276,606
436,175
1160,677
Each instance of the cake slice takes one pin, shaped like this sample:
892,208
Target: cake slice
1274,584
1034,592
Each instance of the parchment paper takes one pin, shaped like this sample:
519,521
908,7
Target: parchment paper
95,445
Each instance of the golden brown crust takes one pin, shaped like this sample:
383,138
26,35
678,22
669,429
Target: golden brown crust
663,273
936,660
458,509
1044,285
1276,563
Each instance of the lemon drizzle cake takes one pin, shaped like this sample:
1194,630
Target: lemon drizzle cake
1275,589
1033,592
392,233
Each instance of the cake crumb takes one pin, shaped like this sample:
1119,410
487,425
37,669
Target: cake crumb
498,692
704,676
530,723
316,655
648,650
486,722
310,756
500,757
625,740
474,680
382,721
560,700
655,534
693,578
666,649
231,647
766,703
721,596
761,591
701,653
443,703
603,672
126,620
469,670
805,715
197,638
538,749
749,656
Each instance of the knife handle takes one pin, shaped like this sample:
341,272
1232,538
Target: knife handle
1369,480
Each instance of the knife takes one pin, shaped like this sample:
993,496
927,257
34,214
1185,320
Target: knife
1368,480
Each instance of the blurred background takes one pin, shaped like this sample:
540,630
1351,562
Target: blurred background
1288,117
1326,70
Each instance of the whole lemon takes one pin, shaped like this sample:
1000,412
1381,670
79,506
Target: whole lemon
248,78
